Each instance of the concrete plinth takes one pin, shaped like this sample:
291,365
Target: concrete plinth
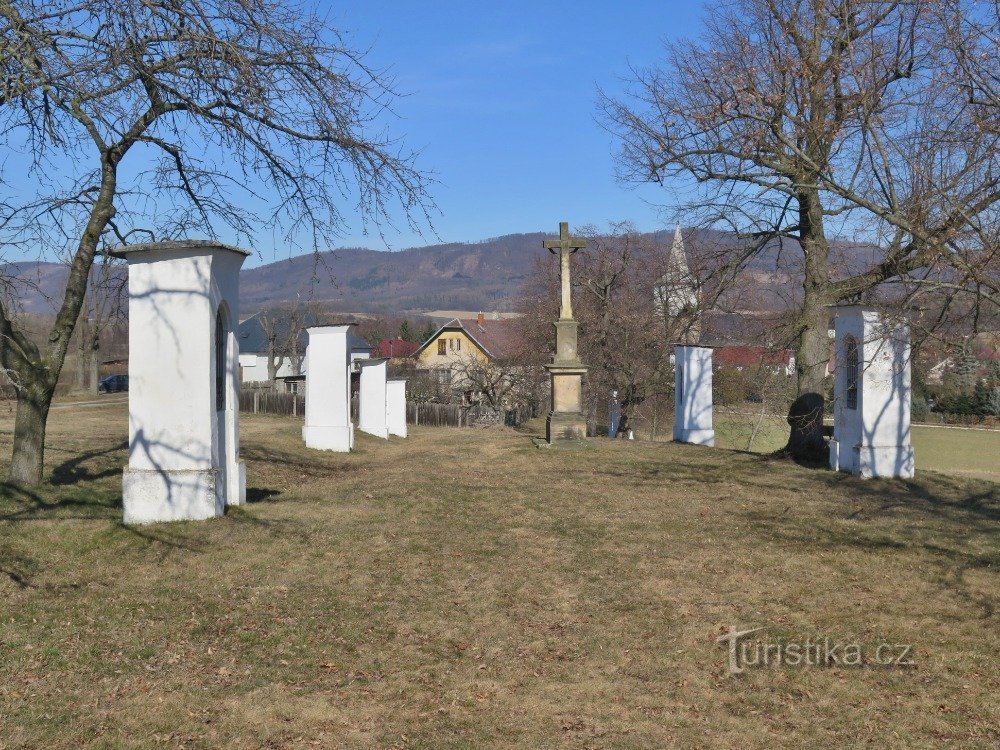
372,398
693,395
328,438
871,432
395,407
171,495
183,457
870,462
328,390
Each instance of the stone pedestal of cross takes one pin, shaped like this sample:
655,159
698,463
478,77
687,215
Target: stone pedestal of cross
566,424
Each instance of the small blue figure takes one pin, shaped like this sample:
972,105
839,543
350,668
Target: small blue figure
614,415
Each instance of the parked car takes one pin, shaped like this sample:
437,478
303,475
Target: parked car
113,384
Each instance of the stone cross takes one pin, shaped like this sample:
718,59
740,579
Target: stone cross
566,246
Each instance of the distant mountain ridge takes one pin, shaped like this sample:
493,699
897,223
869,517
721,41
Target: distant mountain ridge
484,275
456,275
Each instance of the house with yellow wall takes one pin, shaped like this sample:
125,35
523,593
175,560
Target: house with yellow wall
447,352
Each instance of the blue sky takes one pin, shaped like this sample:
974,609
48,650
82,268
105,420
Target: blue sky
502,103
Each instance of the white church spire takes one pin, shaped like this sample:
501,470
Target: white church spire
677,290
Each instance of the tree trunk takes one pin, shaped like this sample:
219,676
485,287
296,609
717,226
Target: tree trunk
81,368
29,436
82,363
95,371
805,417
273,365
38,375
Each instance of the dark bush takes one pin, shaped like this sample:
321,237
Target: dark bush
920,410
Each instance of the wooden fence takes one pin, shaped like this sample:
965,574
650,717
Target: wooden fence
260,401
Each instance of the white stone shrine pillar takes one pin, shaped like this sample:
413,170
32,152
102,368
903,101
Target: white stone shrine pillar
328,390
395,407
871,430
183,453
372,398
693,395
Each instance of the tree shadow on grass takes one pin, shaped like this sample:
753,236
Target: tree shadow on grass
261,494
73,471
19,568
936,497
24,504
321,465
170,535
950,520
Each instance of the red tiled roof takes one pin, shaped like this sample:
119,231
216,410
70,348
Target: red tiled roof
392,348
495,337
750,356
498,337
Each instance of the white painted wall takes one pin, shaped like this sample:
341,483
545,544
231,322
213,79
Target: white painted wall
328,390
183,452
372,398
395,407
872,440
693,395
254,366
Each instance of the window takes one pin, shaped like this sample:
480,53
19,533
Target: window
851,372
442,347
455,344
220,360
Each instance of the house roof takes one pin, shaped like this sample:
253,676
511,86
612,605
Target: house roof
749,356
252,340
495,337
393,348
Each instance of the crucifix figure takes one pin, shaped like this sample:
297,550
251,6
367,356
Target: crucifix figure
566,246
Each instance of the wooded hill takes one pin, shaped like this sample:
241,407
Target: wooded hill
485,275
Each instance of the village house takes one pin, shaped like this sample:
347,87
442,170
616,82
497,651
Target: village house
446,355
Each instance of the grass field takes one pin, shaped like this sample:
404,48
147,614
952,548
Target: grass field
950,450
463,589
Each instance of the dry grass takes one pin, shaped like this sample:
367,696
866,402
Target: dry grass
463,589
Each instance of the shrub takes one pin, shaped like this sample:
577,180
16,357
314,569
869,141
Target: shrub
920,410
729,387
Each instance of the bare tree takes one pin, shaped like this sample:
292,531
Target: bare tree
103,307
203,100
275,343
284,329
799,120
503,382
639,296
971,45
